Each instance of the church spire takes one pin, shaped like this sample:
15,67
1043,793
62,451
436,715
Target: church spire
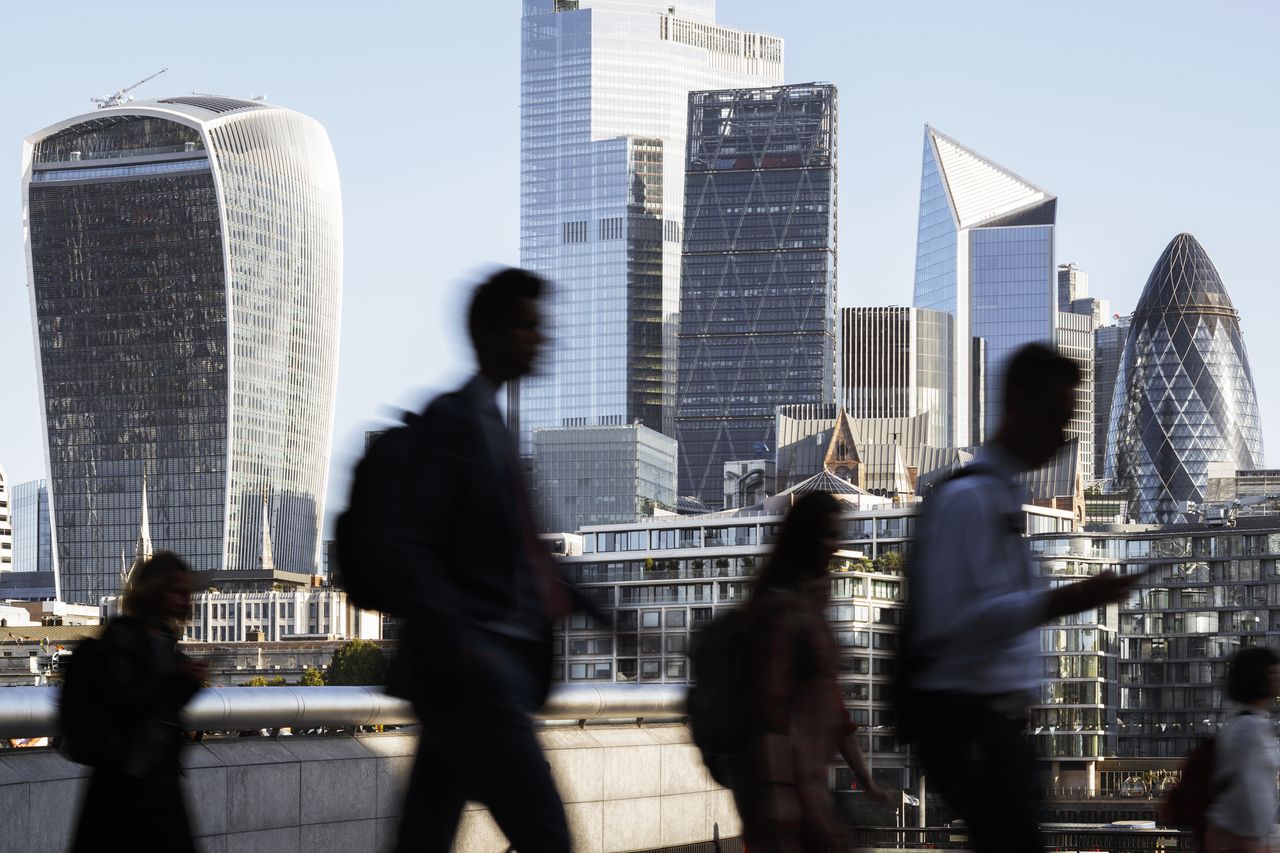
268,556
143,550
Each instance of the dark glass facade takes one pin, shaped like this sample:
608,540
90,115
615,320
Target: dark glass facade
131,317
758,285
1184,393
185,282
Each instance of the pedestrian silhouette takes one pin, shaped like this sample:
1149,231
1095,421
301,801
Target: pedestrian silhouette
123,713
971,659
1242,786
796,714
483,592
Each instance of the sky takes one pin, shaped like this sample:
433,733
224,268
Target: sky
1146,118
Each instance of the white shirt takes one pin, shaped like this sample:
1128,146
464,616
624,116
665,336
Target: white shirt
1246,760
977,603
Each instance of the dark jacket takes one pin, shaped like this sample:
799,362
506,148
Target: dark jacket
462,539
148,690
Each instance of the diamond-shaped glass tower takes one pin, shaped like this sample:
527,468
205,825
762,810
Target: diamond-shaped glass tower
758,283
1184,394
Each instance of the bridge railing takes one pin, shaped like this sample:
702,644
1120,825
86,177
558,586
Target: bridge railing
33,711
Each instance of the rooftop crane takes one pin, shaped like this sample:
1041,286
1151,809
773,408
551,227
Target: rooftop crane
123,96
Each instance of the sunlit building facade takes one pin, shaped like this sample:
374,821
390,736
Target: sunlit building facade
758,285
984,254
1184,393
896,362
604,106
185,261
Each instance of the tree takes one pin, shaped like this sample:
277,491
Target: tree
263,681
888,563
312,677
358,662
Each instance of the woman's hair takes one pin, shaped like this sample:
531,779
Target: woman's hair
1249,674
149,582
800,553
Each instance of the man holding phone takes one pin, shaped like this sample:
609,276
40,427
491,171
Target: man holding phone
972,657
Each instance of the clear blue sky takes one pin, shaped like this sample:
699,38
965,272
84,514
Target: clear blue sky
1144,118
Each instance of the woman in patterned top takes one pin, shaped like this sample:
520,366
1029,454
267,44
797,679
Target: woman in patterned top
797,716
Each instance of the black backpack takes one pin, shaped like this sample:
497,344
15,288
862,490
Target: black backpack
83,703
366,532
717,700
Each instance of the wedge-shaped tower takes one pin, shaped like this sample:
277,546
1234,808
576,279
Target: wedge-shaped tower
1184,394
185,262
984,254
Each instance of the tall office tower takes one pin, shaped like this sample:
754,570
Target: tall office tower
1108,345
1073,337
758,288
6,524
185,257
1184,394
895,363
603,110
984,254
1073,284
32,527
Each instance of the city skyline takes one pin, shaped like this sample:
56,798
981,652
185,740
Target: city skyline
1121,196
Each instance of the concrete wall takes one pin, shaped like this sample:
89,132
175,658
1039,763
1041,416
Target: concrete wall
625,788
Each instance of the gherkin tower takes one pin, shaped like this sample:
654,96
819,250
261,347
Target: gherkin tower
1184,394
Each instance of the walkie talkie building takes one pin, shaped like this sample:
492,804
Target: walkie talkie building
185,271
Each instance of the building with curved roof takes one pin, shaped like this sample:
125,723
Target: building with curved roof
185,266
1184,395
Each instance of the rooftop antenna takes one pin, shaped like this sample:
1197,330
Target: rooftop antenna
123,96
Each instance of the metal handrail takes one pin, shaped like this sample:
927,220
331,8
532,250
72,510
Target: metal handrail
33,711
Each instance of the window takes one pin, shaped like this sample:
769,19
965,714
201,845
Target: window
650,669
675,669
676,643
675,618
651,619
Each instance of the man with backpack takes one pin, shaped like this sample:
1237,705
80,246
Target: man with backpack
480,594
971,653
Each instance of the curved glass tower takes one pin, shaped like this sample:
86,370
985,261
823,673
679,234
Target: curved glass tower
185,269
1184,394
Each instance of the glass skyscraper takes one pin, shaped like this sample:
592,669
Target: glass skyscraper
1108,346
185,258
32,527
601,475
1184,394
603,105
984,254
758,288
